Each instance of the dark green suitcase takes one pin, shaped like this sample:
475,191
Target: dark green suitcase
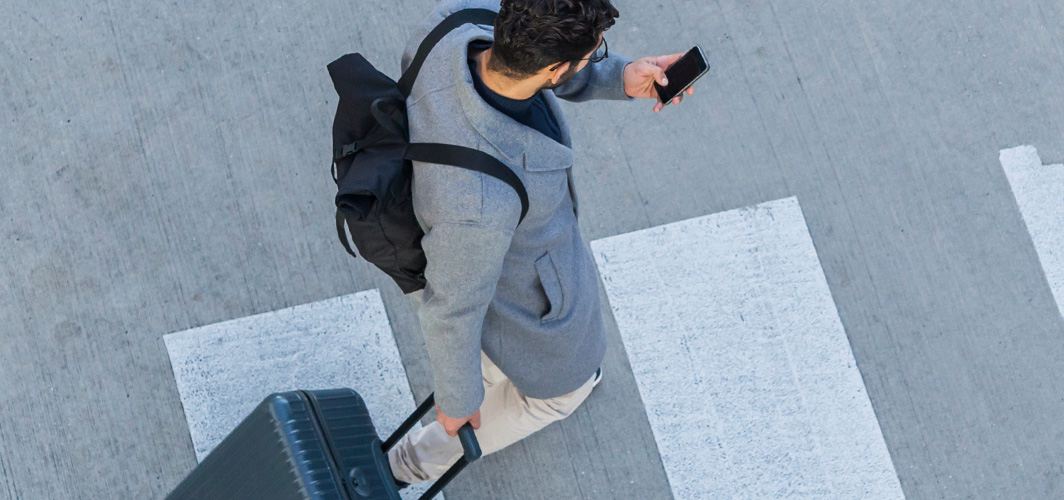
309,445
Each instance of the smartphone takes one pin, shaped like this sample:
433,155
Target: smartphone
682,74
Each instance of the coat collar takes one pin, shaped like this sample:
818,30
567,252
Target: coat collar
520,144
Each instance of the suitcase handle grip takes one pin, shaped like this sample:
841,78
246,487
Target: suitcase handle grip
469,442
466,436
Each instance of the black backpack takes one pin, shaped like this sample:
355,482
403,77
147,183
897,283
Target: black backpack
372,160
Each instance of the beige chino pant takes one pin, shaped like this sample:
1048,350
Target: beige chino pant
506,417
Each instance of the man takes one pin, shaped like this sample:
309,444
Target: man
510,312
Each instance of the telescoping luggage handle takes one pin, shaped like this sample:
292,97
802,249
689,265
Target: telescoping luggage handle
465,435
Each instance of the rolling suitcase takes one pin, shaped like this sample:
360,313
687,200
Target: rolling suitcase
309,445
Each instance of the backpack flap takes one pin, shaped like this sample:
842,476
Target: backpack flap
360,188
366,96
358,84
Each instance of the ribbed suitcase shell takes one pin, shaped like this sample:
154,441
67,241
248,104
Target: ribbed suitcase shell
299,445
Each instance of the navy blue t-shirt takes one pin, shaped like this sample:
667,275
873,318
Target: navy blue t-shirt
532,112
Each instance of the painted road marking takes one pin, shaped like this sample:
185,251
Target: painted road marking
224,370
1039,191
741,359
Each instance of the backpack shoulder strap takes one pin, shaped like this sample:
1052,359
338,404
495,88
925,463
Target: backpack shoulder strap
475,16
449,154
471,159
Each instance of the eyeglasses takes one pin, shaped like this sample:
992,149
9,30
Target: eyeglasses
592,59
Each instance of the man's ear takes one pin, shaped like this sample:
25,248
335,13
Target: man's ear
559,72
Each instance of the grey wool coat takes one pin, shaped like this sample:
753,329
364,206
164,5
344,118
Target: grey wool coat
527,295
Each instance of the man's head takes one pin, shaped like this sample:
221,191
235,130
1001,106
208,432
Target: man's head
532,36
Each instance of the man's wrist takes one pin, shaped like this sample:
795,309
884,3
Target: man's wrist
624,77
624,74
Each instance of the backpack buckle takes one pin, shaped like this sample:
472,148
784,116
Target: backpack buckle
346,150
350,149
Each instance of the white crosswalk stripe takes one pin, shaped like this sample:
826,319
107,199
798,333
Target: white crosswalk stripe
741,360
1039,191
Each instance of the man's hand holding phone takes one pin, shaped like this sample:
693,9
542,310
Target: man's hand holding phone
646,76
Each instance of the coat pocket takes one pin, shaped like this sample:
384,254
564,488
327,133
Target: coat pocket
552,287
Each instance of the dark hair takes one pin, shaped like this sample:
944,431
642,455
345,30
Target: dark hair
533,34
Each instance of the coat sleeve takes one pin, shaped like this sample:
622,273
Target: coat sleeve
601,80
469,219
464,262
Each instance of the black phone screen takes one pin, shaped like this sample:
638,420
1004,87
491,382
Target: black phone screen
682,73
